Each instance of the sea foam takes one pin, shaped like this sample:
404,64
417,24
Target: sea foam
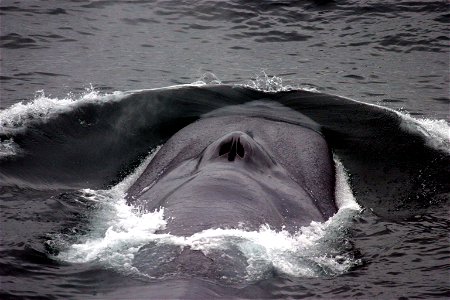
119,231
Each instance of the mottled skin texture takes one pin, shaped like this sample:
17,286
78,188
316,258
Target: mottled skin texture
232,171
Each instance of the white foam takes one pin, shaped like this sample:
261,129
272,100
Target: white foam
119,231
42,108
207,78
266,83
343,192
20,115
435,132
8,148
116,225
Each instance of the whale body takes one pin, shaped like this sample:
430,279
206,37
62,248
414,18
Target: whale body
241,167
397,170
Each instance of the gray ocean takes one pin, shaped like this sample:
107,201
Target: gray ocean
56,54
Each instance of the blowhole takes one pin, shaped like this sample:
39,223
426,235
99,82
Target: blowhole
233,148
225,148
240,149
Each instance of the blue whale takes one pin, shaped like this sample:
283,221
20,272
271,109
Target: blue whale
241,167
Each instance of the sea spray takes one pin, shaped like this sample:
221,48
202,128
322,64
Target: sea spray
20,115
120,231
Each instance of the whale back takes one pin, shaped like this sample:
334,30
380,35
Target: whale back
292,140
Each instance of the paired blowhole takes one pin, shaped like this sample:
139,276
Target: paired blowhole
232,149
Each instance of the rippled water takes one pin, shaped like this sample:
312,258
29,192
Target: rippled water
393,53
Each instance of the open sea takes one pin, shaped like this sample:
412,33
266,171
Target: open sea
91,90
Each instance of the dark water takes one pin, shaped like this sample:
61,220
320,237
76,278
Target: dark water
393,53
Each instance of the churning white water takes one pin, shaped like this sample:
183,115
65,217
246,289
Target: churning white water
119,231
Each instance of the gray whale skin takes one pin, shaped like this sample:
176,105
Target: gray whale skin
241,167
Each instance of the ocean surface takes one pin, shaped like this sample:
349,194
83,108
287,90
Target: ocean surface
90,90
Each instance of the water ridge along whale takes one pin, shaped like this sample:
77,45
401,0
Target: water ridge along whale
241,167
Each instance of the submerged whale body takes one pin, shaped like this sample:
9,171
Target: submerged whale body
244,166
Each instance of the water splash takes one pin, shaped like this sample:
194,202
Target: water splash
115,226
42,108
207,78
435,132
20,115
343,192
8,148
119,232
266,83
